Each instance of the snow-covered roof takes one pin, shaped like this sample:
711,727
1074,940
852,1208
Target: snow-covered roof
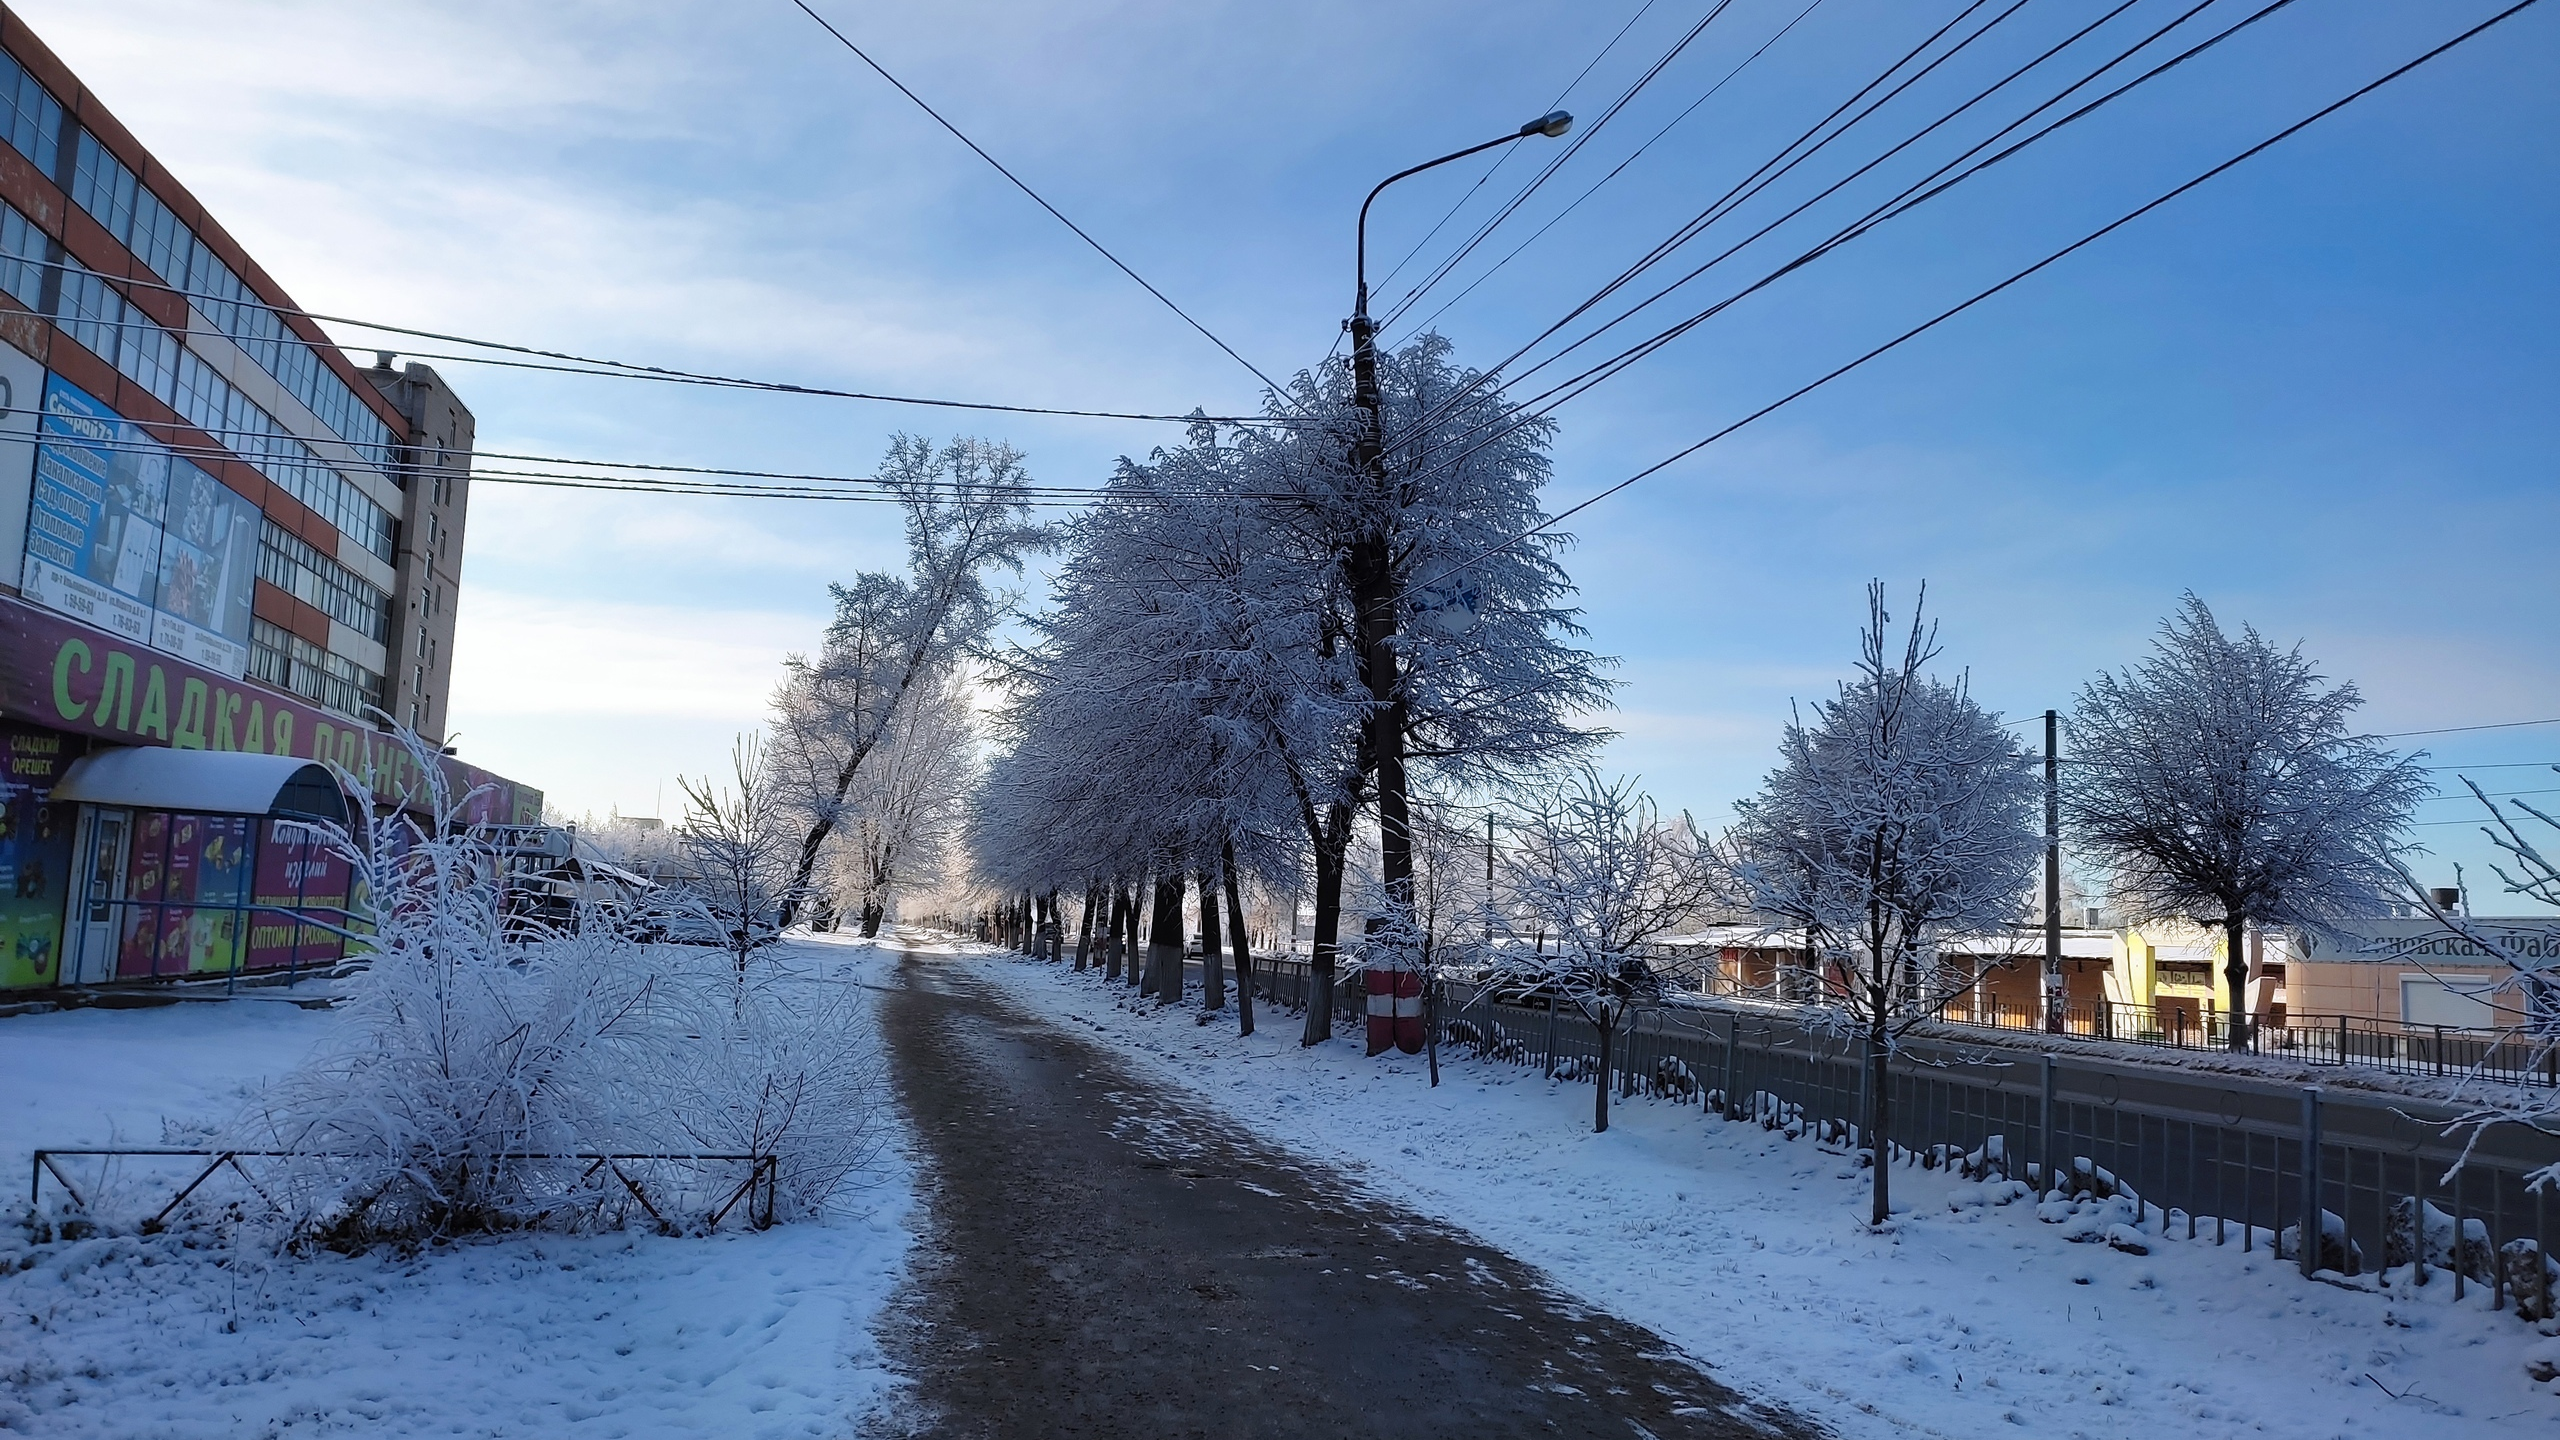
208,782
2077,943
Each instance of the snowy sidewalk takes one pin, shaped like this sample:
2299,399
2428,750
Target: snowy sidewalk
616,1335
1750,1250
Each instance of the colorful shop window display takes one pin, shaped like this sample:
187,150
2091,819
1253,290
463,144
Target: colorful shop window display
35,853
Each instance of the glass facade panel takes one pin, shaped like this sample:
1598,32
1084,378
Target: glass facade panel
116,198
285,660
292,565
32,115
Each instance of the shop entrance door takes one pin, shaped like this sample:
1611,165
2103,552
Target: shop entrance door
106,839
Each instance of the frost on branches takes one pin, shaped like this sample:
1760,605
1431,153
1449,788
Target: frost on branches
2528,870
739,843
1901,818
475,1059
1597,869
2217,782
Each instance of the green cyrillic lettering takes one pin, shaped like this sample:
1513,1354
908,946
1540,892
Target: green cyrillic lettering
155,707
322,734
194,699
72,652
226,709
254,739
280,733
115,696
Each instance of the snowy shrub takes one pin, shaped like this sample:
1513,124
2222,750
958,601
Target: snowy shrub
2337,1252
478,1076
2401,1242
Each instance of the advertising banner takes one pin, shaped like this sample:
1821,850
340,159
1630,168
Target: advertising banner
208,568
126,536
35,853
296,871
69,677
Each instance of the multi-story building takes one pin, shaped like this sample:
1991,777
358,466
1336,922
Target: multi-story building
228,560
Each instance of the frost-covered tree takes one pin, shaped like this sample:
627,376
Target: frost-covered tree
740,845
2217,782
906,805
1601,873
1901,817
967,512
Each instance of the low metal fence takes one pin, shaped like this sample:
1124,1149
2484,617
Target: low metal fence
2204,1157
2515,1056
672,1190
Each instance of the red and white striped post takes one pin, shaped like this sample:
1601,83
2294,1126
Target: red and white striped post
1395,1005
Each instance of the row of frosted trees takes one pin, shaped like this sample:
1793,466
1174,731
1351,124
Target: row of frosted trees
1192,714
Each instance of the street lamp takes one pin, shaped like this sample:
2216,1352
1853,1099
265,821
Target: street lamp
1375,599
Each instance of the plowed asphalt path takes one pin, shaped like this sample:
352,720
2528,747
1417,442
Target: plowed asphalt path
1101,1260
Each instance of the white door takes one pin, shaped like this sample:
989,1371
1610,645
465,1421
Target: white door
106,837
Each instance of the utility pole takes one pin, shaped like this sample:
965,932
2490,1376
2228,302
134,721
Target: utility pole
1488,884
2052,881
1377,597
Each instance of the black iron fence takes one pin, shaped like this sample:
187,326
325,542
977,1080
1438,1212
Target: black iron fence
676,1191
2211,1157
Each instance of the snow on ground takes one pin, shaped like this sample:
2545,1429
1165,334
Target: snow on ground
739,1334
1967,1317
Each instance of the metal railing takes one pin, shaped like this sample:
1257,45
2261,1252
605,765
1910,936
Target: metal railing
2196,1158
761,1180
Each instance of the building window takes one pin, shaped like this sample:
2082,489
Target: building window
22,257
287,661
115,198
31,114
293,565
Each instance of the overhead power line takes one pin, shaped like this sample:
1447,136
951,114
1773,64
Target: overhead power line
2015,278
1938,182
1036,198
1588,134
575,364
1615,171
2502,724
1503,156
656,476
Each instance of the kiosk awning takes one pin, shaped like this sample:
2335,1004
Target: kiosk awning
208,782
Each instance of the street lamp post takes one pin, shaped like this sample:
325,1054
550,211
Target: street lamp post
1376,600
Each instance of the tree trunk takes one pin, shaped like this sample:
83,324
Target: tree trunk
1328,933
2235,972
1164,951
1136,917
873,912
1600,1098
1235,933
1879,1112
1112,948
1084,928
1213,970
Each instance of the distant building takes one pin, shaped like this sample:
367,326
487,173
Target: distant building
226,552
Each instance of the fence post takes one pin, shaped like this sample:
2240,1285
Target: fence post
2044,1118
1732,1064
2312,1233
2106,1018
2342,1039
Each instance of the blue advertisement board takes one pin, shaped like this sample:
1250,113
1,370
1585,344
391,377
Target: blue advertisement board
131,538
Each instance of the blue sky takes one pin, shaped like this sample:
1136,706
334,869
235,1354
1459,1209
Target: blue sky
2316,391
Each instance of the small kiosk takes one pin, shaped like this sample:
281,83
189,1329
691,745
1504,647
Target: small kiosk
200,863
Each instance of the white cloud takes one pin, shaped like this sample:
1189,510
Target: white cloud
519,655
